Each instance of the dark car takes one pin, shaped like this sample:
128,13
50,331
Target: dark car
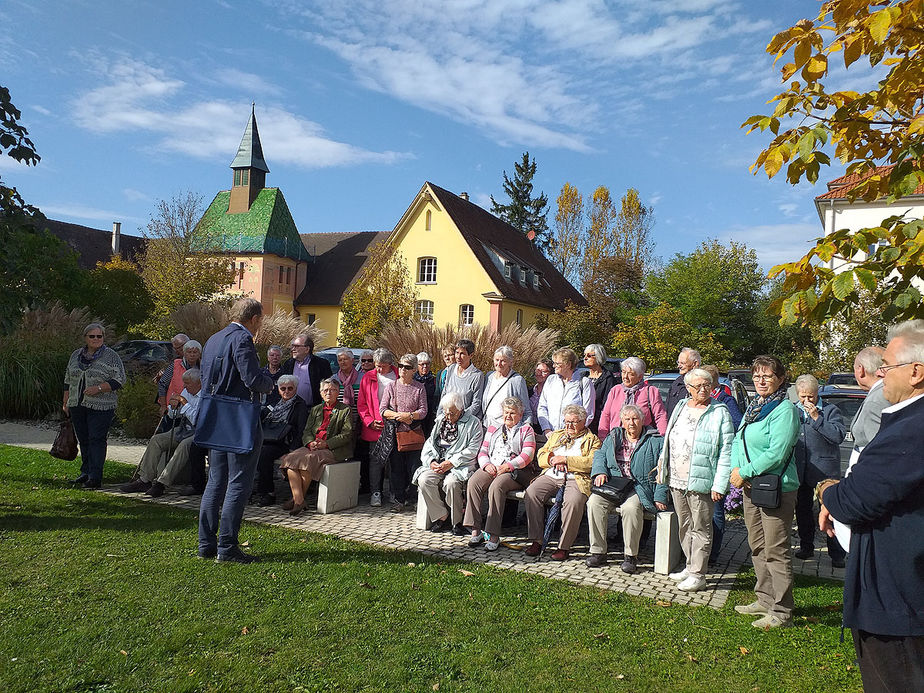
848,379
743,375
848,400
663,381
142,355
331,355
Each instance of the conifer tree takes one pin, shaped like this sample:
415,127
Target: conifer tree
524,212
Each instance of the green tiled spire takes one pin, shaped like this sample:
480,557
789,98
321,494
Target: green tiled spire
250,152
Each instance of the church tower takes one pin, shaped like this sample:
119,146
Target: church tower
249,168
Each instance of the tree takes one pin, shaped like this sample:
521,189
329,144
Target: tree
565,251
632,231
182,262
717,289
384,293
599,239
524,212
878,134
658,336
116,292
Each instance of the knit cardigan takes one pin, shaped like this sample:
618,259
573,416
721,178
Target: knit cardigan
522,442
106,368
712,443
579,465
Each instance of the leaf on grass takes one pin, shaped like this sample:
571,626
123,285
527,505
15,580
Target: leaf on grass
246,543
663,602
411,565
436,686
367,585
743,650
601,636
691,657
620,677
123,653
466,573
244,630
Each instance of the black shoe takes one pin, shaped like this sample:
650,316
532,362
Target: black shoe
136,486
190,491
264,500
459,530
206,554
804,553
838,562
235,555
596,560
440,526
630,565
156,490
91,484
80,480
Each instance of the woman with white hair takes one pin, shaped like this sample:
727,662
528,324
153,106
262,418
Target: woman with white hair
566,458
562,389
273,369
171,382
818,457
405,403
696,463
425,377
447,460
601,377
505,462
283,425
633,390
501,383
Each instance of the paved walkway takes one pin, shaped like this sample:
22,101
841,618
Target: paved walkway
379,527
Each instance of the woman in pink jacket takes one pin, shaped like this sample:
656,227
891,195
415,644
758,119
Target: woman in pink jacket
371,389
633,390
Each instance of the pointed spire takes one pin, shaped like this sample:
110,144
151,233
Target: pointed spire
250,152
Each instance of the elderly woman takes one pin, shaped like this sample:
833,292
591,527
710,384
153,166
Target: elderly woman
426,378
448,353
328,437
404,402
818,457
170,383
695,464
283,426
563,389
92,379
567,458
501,383
602,378
448,459
505,464
764,445
633,390
371,389
273,369
541,373
629,451
349,379
366,360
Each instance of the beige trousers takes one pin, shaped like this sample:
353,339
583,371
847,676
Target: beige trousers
156,456
482,484
431,482
539,491
694,517
632,515
771,548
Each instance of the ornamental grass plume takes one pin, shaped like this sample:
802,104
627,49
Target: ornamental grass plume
529,344
280,327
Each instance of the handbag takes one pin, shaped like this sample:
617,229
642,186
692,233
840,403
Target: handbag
226,424
410,441
275,432
616,489
766,489
65,445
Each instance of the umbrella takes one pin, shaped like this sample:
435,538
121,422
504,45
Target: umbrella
553,516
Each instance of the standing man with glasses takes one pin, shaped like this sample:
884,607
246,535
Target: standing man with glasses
687,360
308,368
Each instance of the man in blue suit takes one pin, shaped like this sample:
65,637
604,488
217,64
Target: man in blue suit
230,367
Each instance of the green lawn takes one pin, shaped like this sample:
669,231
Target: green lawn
101,593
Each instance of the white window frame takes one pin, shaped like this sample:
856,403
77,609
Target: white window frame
428,270
466,320
423,309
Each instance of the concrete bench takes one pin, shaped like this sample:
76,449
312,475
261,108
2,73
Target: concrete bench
339,487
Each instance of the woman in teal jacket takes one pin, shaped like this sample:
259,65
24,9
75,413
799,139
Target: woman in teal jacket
764,445
695,464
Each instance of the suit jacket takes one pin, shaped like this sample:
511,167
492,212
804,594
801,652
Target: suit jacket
239,376
318,370
676,393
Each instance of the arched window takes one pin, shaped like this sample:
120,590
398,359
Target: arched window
426,270
466,314
429,219
424,311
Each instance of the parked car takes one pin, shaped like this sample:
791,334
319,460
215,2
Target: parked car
613,365
141,355
848,400
848,379
743,375
663,381
331,355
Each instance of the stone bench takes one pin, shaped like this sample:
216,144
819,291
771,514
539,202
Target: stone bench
338,488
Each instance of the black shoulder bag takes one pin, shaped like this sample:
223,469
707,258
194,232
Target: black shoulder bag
766,489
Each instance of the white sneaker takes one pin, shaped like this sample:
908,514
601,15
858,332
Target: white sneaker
679,577
771,621
491,545
693,583
376,500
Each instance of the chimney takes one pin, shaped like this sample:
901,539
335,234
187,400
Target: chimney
464,196
116,230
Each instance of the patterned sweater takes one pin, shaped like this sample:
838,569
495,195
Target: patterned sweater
106,368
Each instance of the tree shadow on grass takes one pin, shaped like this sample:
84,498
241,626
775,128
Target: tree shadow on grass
89,512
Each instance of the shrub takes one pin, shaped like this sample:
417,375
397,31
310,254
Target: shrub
137,409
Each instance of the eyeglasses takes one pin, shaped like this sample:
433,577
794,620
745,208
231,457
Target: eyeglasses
704,387
297,346
95,336
285,388
405,366
365,360
886,369
572,423
763,378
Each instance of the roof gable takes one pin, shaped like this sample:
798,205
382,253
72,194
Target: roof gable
93,245
839,187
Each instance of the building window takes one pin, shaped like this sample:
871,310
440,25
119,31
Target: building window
424,311
288,275
508,270
281,273
519,318
237,176
429,220
426,270
523,275
535,280
240,275
245,177
466,314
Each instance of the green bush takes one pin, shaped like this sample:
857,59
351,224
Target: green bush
137,409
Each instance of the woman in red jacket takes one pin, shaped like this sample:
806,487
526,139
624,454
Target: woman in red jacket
371,389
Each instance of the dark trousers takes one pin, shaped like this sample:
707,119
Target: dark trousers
361,453
197,477
890,663
227,491
269,453
807,522
92,428
718,529
402,465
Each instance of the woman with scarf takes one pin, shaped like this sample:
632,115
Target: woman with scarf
764,445
283,426
328,438
92,379
633,390
602,378
404,403
505,462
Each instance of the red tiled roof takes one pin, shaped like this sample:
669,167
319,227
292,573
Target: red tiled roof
839,187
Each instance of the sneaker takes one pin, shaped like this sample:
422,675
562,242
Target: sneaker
679,576
693,583
156,490
533,549
491,545
752,609
596,560
376,500
476,540
803,553
630,565
768,621
440,526
235,555
136,486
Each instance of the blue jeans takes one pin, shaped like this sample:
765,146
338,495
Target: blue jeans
228,490
718,529
91,427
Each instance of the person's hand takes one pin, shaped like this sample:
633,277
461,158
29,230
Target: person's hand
436,466
716,496
547,431
174,401
321,445
491,469
661,506
825,523
600,479
408,418
377,425
811,410
65,409
445,467
736,479
505,468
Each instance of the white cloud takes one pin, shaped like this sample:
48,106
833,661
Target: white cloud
775,243
246,82
139,98
41,109
135,195
79,211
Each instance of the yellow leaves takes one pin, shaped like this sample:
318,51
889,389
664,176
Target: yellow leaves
743,650
815,68
879,23
466,573
916,126
773,162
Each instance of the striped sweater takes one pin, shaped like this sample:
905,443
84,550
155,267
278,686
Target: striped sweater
522,442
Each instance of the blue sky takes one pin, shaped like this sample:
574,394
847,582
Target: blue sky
360,102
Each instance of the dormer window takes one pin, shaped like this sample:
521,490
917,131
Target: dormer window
535,280
523,271
508,270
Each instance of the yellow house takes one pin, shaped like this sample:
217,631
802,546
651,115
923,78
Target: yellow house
468,266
